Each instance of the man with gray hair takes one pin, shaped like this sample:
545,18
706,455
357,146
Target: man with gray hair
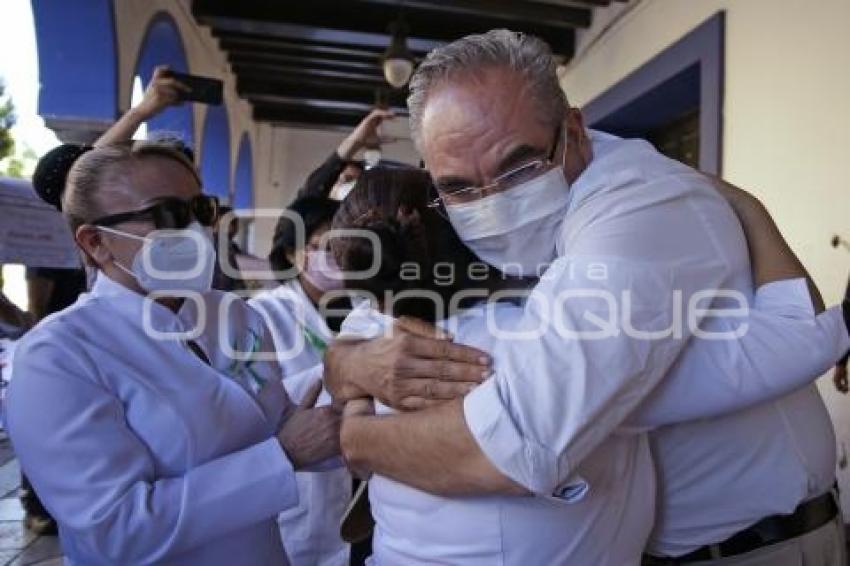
617,227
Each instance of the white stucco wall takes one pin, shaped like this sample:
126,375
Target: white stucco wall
290,154
786,117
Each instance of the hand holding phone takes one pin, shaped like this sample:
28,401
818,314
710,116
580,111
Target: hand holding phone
205,90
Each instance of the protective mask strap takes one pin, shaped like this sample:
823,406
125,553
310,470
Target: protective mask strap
124,269
564,153
126,235
109,230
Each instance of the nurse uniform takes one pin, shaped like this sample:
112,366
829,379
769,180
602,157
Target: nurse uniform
148,447
309,530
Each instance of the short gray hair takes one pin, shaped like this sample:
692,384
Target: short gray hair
526,55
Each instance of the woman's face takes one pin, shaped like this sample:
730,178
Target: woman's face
151,179
314,243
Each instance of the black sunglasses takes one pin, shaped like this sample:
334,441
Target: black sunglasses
170,213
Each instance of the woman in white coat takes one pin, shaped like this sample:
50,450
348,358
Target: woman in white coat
148,428
308,281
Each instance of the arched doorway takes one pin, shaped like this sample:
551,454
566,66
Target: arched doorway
243,195
215,153
162,45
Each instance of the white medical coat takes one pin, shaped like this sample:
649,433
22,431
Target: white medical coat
142,451
309,530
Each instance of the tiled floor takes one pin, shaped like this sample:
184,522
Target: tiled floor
18,546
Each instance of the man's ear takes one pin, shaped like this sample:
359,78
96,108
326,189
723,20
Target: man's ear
576,131
90,240
577,138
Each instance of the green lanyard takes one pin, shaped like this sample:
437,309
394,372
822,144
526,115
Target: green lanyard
316,341
243,368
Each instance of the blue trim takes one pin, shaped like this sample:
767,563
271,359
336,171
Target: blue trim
243,184
687,74
215,153
77,60
163,45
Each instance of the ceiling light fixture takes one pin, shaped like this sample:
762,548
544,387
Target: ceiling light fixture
398,61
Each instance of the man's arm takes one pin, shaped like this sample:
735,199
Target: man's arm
403,447
10,314
162,92
320,182
39,291
414,367
784,346
322,179
771,257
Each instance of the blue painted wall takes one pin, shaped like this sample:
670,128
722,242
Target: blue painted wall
243,197
163,45
77,61
215,153
687,74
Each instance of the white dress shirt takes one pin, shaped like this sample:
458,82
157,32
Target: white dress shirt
142,451
413,527
643,234
310,530
599,517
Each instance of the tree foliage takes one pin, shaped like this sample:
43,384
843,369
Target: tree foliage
7,120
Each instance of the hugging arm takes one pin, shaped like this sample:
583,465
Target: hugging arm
551,400
771,257
784,342
432,450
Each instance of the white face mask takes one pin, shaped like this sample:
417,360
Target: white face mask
515,230
341,191
172,260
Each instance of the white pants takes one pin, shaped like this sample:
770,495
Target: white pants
821,547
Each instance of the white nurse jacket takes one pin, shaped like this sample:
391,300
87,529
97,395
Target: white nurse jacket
142,451
310,530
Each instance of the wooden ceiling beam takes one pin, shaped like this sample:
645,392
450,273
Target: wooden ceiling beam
272,72
364,23
256,87
300,117
508,11
320,34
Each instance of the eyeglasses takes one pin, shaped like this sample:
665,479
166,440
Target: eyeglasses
170,213
508,180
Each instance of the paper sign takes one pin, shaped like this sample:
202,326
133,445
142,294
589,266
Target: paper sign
32,232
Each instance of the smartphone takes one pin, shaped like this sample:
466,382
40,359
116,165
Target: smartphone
205,90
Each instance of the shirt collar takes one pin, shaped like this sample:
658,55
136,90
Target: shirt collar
594,175
136,308
311,316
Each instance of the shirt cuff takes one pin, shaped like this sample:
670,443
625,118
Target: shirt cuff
529,464
281,471
332,463
787,297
